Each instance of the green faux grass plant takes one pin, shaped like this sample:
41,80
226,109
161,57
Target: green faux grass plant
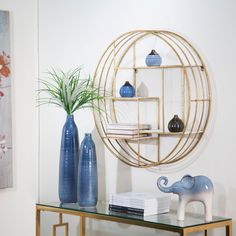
69,91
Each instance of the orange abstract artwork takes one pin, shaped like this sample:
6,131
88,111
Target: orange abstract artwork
4,65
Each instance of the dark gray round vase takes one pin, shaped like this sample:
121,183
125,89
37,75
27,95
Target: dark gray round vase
176,125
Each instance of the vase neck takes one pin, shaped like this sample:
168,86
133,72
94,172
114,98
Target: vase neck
153,52
127,84
88,135
70,118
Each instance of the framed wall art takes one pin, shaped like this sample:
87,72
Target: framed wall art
5,103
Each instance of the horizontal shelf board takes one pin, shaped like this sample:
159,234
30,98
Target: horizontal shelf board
133,98
150,137
156,67
200,100
161,132
130,138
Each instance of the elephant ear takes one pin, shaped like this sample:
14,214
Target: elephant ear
188,181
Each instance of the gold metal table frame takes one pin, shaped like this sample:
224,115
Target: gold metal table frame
166,222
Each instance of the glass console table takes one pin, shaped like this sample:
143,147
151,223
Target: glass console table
167,222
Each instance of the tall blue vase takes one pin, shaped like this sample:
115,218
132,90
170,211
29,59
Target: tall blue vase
87,173
68,167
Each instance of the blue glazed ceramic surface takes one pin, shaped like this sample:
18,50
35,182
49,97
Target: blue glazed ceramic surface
68,165
153,59
187,185
87,173
127,90
190,188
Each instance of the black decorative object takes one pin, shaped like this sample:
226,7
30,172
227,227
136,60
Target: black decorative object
176,124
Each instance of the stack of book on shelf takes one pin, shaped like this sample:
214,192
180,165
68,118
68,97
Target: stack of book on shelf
142,204
123,130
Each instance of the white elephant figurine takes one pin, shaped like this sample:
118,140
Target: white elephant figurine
197,188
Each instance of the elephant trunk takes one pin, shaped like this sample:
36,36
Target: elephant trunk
161,187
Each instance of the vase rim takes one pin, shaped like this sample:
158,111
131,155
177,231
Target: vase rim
127,82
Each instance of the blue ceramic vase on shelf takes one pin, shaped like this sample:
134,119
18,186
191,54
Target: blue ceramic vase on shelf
127,90
153,59
87,173
68,166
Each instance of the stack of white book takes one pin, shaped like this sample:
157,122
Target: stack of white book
142,204
124,130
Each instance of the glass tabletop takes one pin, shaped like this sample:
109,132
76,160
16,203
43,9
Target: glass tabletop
167,219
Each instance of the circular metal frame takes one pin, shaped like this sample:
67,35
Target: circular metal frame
196,98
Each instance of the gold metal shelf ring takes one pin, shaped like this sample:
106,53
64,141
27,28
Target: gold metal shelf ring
195,98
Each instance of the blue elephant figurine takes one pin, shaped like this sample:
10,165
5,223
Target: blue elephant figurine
190,188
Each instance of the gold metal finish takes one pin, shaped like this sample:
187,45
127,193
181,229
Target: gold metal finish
183,95
134,69
163,98
38,221
182,231
82,226
61,224
155,67
195,105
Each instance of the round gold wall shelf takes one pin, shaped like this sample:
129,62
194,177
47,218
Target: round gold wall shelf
179,86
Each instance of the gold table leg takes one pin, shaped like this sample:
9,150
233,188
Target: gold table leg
82,226
228,229
37,222
227,225
183,233
61,224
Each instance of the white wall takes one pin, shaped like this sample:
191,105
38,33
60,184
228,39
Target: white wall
76,33
17,204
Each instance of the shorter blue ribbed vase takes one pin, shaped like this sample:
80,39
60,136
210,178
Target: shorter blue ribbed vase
68,166
87,173
127,90
153,59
